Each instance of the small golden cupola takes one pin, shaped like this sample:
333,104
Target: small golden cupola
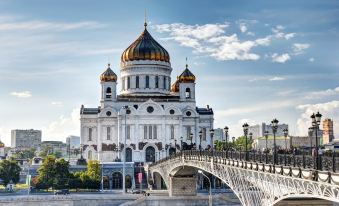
108,75
175,85
145,48
187,76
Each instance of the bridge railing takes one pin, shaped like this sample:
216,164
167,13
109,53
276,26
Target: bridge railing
286,164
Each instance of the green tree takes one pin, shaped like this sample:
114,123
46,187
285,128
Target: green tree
93,170
62,174
9,171
240,143
47,171
24,154
57,154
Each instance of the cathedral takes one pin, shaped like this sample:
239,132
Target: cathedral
150,118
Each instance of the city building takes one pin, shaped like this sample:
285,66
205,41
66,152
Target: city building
219,134
160,117
25,138
73,142
259,130
54,147
328,134
302,141
281,143
2,150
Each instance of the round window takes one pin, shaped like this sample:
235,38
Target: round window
188,113
150,109
128,111
108,113
171,111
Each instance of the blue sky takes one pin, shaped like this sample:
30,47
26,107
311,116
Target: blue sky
254,60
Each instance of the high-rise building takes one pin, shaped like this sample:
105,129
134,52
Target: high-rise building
73,142
25,138
328,134
259,130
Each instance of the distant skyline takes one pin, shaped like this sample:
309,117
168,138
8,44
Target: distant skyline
254,60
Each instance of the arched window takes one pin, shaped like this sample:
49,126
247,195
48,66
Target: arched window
108,133
108,92
188,93
128,82
90,155
128,155
164,83
150,154
90,130
137,82
123,83
156,81
147,81
172,131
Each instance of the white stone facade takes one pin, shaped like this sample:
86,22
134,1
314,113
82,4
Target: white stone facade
155,120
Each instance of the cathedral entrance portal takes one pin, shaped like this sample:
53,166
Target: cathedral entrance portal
117,180
150,154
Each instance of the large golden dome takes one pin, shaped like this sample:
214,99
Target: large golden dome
145,48
108,75
186,76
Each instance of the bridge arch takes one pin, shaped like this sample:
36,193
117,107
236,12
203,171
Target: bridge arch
253,186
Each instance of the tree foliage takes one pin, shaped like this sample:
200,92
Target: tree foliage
53,173
24,154
9,171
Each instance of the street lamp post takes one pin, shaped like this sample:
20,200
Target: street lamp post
210,193
124,149
191,137
274,129
233,140
181,144
175,145
245,128
226,135
285,134
316,119
310,135
212,143
266,137
200,136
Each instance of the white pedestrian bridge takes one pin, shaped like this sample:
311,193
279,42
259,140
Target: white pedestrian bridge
255,179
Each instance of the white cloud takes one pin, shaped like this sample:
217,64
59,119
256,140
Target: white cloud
299,48
289,35
263,106
243,27
327,109
47,26
250,33
63,127
276,79
57,103
323,93
280,58
263,41
23,94
311,59
211,39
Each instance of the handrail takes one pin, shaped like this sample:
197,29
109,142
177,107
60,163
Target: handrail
302,162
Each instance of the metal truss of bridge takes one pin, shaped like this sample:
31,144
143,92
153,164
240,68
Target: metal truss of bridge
253,182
